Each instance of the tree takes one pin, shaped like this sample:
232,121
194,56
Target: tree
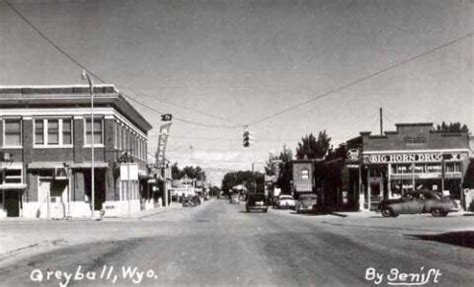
286,171
270,167
246,178
176,173
455,127
190,171
311,148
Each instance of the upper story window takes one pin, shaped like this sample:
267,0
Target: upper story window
67,132
39,132
97,130
304,174
53,132
12,132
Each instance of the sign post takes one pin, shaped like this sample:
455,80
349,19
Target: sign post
129,172
160,154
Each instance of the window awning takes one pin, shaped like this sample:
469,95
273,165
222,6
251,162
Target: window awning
47,164
99,164
61,164
12,186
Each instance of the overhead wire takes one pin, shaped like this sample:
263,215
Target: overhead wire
255,122
99,78
181,106
360,80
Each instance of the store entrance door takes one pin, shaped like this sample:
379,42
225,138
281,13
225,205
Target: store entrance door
12,202
375,196
53,196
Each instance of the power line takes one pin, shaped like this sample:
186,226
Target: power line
362,79
100,79
182,107
273,115
179,118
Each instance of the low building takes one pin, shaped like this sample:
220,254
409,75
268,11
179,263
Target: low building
45,140
369,168
415,156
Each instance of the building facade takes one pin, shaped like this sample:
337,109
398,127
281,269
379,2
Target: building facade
369,168
413,157
45,140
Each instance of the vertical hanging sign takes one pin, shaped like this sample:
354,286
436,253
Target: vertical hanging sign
162,140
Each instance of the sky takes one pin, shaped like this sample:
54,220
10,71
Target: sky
219,65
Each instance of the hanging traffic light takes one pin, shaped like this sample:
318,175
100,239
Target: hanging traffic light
246,139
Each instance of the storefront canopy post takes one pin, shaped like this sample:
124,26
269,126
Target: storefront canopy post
443,172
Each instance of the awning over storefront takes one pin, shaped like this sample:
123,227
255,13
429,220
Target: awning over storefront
48,164
88,165
59,164
12,186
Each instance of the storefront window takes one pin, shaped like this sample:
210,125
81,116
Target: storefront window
453,167
305,174
11,176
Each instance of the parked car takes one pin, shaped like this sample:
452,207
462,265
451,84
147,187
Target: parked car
234,198
188,202
420,201
306,203
256,201
285,201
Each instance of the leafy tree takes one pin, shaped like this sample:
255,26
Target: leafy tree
189,171
455,127
176,173
312,148
286,171
251,180
270,167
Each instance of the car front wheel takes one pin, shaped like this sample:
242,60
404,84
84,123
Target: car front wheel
387,212
438,212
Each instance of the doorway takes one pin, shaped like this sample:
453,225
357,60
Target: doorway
12,202
52,194
99,186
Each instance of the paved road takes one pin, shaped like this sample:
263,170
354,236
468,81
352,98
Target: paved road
219,244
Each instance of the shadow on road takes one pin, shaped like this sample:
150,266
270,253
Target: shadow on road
460,238
318,213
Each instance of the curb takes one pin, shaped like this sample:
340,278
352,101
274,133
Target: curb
15,252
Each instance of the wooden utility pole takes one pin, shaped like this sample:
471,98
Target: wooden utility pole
381,122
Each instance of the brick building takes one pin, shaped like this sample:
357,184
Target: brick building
45,141
415,156
369,168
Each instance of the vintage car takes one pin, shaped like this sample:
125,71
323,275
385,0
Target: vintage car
256,201
420,201
285,201
306,203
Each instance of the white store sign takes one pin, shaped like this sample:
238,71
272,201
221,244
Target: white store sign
129,171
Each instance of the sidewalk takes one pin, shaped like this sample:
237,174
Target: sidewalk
22,237
150,212
358,214
368,214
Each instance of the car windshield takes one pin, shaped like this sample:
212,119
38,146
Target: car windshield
307,196
256,197
286,197
430,195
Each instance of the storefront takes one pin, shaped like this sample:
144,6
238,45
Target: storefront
412,158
